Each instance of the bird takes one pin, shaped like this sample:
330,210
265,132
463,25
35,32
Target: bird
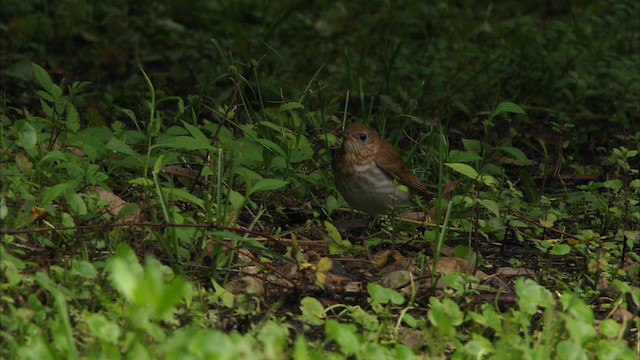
370,174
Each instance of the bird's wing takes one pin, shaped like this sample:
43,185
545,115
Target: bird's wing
392,164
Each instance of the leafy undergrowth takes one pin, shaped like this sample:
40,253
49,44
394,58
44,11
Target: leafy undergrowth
169,196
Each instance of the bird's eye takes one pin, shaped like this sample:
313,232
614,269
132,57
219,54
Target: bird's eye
363,137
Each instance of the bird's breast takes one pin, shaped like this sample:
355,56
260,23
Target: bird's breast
368,188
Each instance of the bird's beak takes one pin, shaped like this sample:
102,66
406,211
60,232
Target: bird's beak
345,135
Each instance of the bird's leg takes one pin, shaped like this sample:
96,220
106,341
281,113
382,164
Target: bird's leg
366,243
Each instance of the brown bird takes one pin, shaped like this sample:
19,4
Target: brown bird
370,174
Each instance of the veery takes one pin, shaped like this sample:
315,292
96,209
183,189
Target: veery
370,174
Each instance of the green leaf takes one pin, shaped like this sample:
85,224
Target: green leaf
51,156
332,203
53,192
463,169
267,184
196,133
45,81
120,146
561,249
290,106
445,315
124,276
610,328
580,331
4,210
104,329
615,184
157,166
183,195
72,119
517,156
506,107
312,311
491,206
570,350
531,295
247,174
457,156
337,245
85,269
488,180
577,307
472,145
236,200
344,335
184,142
384,295
27,135
142,181
272,146
479,346
76,203
548,220
247,151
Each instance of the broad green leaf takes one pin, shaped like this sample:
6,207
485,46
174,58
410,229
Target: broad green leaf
561,249
45,81
472,145
51,156
43,95
247,174
506,107
580,330
463,169
548,220
54,192
104,329
4,210
76,203
344,335
157,166
337,245
332,203
515,152
85,269
577,307
531,296
267,184
444,315
291,106
384,295
457,156
247,151
120,146
27,135
615,184
488,180
272,146
610,328
312,311
196,133
122,278
73,118
183,195
184,142
142,181
236,200
491,206
479,346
